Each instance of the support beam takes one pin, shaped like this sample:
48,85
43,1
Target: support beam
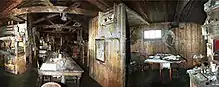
67,22
180,10
58,32
49,21
134,14
46,9
15,18
28,3
77,19
21,18
80,11
145,16
43,18
57,26
11,4
101,4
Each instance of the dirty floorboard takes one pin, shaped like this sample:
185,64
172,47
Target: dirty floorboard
151,78
148,78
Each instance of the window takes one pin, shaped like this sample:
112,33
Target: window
152,34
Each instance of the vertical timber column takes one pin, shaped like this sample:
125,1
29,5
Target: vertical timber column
16,48
34,59
30,38
33,34
121,24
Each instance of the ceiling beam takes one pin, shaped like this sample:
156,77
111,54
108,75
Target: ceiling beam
49,21
67,22
101,4
139,5
11,5
43,18
180,9
57,32
17,19
57,9
57,26
80,11
82,22
131,12
21,18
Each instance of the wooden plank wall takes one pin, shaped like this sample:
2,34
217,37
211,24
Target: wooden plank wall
149,47
108,74
111,72
188,41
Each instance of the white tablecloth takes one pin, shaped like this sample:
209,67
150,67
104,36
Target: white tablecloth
163,63
157,61
160,61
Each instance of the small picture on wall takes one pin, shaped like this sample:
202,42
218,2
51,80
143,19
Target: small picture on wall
100,48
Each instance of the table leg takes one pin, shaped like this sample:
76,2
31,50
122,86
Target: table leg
160,74
39,81
42,80
50,78
190,83
78,81
170,73
63,79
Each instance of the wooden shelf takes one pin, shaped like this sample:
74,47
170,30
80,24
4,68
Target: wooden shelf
11,32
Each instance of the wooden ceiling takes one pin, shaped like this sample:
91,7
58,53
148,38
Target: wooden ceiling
154,11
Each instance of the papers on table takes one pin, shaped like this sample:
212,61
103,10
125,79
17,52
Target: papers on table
48,66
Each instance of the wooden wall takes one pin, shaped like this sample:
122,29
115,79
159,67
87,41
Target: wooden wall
110,73
188,41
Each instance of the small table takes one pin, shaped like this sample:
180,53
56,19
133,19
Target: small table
163,64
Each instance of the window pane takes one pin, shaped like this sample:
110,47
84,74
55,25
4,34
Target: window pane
152,34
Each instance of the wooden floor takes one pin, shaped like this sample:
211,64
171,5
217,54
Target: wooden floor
29,79
151,78
148,78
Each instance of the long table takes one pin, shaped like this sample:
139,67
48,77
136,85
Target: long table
75,72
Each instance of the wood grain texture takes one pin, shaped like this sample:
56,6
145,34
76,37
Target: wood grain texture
188,41
111,73
108,74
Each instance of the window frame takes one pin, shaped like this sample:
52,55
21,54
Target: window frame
151,37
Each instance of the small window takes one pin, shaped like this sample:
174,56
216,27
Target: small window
152,34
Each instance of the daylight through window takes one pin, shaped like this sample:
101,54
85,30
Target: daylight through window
152,34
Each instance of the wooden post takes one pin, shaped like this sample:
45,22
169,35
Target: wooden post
82,46
123,42
35,39
16,47
30,37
